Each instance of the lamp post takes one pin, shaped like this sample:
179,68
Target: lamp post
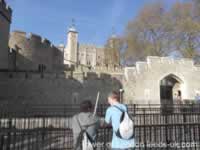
120,94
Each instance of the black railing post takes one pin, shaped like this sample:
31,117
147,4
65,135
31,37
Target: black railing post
134,110
151,126
2,141
166,130
43,131
145,135
9,134
134,117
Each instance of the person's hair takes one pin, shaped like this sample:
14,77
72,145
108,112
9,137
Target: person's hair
86,106
114,95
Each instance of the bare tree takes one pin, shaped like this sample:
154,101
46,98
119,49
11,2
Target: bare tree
186,30
148,34
159,32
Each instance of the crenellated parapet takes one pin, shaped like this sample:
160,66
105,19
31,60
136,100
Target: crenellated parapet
141,67
5,10
100,69
46,42
32,50
130,73
109,69
155,61
32,75
159,64
34,39
197,67
81,77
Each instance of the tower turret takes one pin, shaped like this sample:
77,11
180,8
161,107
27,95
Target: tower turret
5,21
112,47
71,50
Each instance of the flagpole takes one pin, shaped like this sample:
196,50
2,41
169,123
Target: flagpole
96,105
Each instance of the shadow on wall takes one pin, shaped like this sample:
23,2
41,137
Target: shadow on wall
35,49
52,88
104,83
18,62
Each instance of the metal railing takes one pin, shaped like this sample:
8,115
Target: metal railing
47,127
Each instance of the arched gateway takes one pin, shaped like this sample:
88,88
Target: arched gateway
171,89
160,80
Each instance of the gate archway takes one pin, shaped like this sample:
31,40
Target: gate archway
170,89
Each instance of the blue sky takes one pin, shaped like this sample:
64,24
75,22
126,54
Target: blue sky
94,19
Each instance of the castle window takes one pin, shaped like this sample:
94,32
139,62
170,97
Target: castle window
88,63
41,67
75,97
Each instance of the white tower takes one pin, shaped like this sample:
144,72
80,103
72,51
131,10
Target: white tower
71,50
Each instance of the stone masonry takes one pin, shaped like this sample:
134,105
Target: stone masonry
5,20
154,81
143,82
31,50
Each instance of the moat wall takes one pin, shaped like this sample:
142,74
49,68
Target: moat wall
34,88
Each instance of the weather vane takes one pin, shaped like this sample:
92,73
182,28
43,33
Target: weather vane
113,31
73,22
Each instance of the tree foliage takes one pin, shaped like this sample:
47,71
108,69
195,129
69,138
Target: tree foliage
157,31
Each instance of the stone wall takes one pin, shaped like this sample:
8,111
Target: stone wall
32,50
5,20
87,54
50,88
143,81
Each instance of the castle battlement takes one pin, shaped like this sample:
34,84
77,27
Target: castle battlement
187,61
154,62
34,51
141,66
32,38
167,60
110,69
100,69
32,75
197,67
19,33
46,42
151,60
130,72
35,37
47,75
5,10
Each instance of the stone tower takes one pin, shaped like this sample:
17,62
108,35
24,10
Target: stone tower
5,21
71,50
112,54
